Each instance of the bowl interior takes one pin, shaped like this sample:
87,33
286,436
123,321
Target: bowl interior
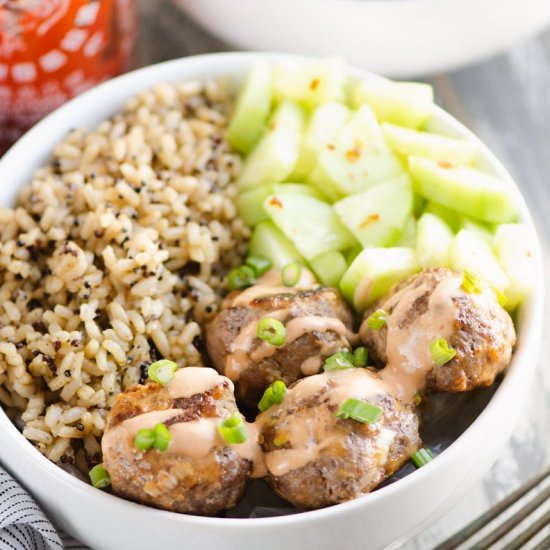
451,420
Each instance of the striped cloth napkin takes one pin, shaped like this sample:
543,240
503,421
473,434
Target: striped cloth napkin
23,525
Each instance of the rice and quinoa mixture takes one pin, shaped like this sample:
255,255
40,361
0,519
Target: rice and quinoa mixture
113,255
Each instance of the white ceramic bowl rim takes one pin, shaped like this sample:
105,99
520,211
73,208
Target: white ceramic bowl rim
531,323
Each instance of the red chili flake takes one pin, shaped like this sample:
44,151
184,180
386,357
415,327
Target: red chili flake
331,147
371,218
314,84
445,164
276,202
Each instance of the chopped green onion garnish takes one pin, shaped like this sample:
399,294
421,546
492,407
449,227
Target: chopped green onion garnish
441,352
471,282
241,277
377,320
162,437
259,264
272,395
341,360
233,429
271,331
359,410
99,477
360,357
162,371
422,457
501,298
291,274
417,398
279,441
144,439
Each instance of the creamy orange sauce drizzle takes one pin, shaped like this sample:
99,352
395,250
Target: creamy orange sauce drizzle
408,351
270,284
189,381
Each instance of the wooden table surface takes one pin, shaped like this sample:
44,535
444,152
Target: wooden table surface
506,102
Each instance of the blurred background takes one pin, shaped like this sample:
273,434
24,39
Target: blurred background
504,98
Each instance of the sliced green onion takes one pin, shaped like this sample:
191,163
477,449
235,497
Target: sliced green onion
359,410
417,398
341,360
471,283
441,352
501,298
291,274
271,331
233,429
99,477
280,440
144,439
162,371
377,320
360,357
272,395
162,437
259,264
241,277
422,457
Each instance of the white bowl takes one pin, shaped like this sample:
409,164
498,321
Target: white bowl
391,37
373,521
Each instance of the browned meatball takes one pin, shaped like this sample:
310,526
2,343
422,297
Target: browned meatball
198,473
318,323
431,305
316,459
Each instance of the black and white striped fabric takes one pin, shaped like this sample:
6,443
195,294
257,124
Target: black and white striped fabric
23,525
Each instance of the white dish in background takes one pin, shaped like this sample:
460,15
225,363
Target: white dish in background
398,38
383,517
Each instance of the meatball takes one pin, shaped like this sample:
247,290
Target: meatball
315,459
318,323
198,473
431,305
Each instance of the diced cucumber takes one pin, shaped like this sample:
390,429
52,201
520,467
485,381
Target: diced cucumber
405,103
268,241
378,216
357,160
434,239
313,84
351,253
251,109
480,229
312,225
323,127
466,190
469,251
274,157
408,142
408,236
250,203
374,271
452,218
514,248
329,267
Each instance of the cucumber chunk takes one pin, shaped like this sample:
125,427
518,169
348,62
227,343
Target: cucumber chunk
513,245
312,85
311,224
268,241
433,241
405,103
480,229
323,128
378,216
469,251
466,190
374,271
357,160
274,157
250,203
251,109
329,267
408,236
452,218
408,142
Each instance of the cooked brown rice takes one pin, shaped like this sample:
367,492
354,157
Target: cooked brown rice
115,252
